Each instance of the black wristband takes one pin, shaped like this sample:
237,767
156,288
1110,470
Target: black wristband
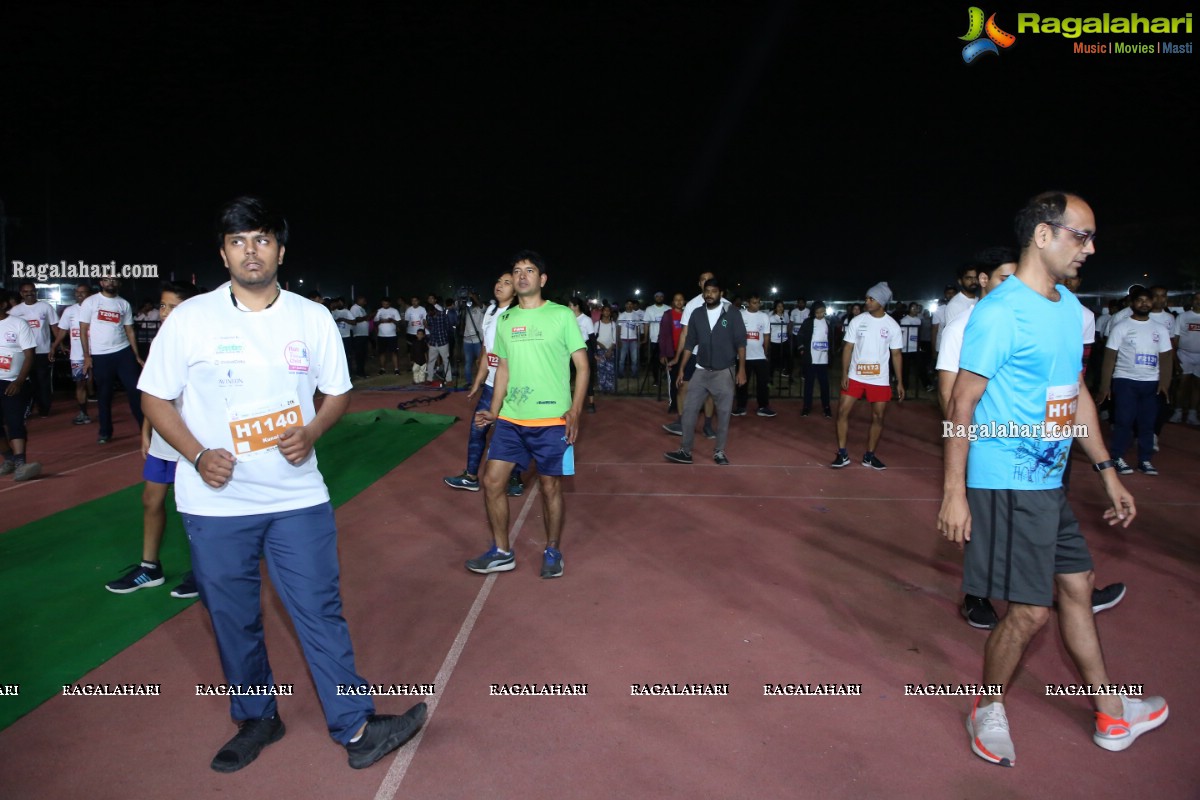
1103,465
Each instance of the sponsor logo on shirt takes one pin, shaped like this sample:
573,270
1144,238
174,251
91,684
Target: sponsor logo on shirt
1194,327
296,356
10,337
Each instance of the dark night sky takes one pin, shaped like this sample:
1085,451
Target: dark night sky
633,144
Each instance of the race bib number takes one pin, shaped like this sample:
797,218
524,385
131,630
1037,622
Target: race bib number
256,430
1061,404
74,333
6,363
1194,327
104,315
1145,359
493,360
753,335
822,346
867,370
35,324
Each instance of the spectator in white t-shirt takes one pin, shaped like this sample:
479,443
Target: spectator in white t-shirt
386,335
758,332
629,324
816,340
17,347
414,322
110,351
914,366
68,325
41,317
873,341
1137,373
1186,340
651,316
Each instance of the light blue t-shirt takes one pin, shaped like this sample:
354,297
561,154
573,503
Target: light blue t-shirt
1030,349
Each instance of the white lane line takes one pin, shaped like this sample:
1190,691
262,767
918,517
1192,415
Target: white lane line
406,754
68,472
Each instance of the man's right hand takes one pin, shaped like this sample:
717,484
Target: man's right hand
845,381
216,467
954,519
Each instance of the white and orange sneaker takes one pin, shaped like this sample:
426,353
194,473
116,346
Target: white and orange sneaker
990,739
1138,716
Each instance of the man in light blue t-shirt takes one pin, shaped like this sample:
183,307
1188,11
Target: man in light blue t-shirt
1016,404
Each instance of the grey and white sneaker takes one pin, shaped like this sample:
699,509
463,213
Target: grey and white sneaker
990,739
1146,468
1123,467
27,471
720,458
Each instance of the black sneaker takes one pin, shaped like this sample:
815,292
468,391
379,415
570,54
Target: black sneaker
840,460
494,560
515,487
804,413
1106,598
139,576
552,563
673,428
679,456
252,736
1123,468
1146,468
720,458
738,412
766,412
828,414
383,734
869,460
978,612
186,588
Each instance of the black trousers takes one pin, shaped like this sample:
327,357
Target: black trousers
106,369
761,372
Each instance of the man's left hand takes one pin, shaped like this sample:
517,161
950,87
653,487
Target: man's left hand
572,420
741,376
296,443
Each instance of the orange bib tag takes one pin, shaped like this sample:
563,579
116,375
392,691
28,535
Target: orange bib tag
867,370
257,430
1061,404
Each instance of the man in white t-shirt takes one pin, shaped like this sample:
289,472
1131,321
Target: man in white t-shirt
110,351
345,325
964,298
41,317
68,325
758,330
872,340
815,342
1186,340
247,359
17,349
676,428
651,317
387,335
910,325
360,334
414,323
1137,370
629,327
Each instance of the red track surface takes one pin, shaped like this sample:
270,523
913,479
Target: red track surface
773,570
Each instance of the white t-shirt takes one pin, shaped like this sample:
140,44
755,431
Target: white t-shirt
39,316
697,302
1089,326
586,326
1187,328
158,445
957,306
1164,318
652,315
798,315
1138,345
107,317
1122,314
249,374
69,322
386,319
360,328
629,322
951,352
414,318
342,317
873,339
779,327
912,333
15,338
606,333
758,328
490,317
819,348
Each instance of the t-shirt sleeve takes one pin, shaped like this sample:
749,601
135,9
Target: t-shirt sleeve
1164,342
1089,328
897,337
1177,328
1114,337
165,373
951,352
53,315
334,376
126,314
574,339
988,340
25,338
500,343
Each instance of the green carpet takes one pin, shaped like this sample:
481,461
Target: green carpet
58,620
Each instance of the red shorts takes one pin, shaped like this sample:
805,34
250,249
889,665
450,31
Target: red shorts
873,393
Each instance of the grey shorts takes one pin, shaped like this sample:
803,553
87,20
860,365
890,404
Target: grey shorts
1019,541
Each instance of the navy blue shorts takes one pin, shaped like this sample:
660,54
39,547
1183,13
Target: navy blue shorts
157,470
545,445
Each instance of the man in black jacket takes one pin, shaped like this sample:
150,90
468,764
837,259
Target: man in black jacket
716,338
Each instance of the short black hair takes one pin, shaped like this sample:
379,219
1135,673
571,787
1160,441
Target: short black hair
712,282
1045,207
970,266
1139,291
181,289
251,214
531,257
992,258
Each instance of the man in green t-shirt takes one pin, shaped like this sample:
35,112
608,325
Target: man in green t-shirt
536,414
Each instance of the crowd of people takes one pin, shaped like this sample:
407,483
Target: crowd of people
1010,342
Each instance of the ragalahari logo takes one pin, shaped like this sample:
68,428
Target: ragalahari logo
976,27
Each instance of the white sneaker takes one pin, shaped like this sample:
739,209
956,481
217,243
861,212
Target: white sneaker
1138,716
1177,417
990,739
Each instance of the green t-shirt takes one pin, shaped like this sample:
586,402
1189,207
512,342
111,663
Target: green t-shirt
538,343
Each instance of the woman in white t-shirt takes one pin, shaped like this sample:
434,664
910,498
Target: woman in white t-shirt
779,354
587,329
606,351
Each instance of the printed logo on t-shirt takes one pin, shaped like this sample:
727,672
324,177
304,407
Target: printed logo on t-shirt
296,356
867,369
74,333
884,333
35,324
10,337
518,330
1194,327
104,315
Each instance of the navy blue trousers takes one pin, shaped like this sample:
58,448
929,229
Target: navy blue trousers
1134,402
106,368
301,552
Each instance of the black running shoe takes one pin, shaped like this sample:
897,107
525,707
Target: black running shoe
679,456
978,612
383,734
840,460
252,736
1106,598
186,588
871,461
140,576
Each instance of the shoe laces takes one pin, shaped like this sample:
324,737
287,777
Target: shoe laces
993,720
